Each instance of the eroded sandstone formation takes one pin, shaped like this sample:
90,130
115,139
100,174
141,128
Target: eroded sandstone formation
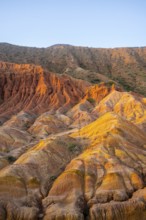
30,88
69,150
101,182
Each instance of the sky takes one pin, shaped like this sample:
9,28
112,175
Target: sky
92,23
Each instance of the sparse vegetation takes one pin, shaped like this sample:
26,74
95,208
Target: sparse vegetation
11,159
102,158
125,85
109,83
91,100
72,147
95,81
52,178
33,182
92,62
75,171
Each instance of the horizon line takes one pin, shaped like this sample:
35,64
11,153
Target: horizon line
70,45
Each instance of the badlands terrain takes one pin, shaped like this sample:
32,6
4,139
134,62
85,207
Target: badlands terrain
70,148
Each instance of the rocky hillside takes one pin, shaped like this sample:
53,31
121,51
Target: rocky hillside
125,66
30,88
69,149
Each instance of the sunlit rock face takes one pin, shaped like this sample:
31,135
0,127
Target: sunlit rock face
130,106
68,149
30,88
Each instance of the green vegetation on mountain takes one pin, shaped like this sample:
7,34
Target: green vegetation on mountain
124,66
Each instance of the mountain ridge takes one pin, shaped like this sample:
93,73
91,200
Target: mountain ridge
124,66
63,44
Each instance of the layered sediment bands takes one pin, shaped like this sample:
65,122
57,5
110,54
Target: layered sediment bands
81,114
12,137
47,124
97,92
26,182
100,183
30,88
68,149
130,106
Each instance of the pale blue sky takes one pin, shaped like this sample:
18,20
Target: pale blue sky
93,23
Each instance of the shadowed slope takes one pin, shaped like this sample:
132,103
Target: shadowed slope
30,88
110,170
26,182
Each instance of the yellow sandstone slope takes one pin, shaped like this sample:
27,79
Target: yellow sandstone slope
69,150
106,181
27,181
128,105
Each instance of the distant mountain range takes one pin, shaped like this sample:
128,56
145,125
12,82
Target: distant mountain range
125,66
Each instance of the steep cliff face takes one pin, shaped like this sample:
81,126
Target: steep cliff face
69,149
30,88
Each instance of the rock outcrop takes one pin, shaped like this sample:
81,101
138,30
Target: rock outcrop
69,149
30,88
